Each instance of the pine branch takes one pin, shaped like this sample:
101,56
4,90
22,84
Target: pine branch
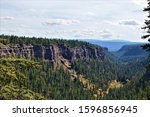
145,36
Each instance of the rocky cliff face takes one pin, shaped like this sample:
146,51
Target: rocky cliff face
53,53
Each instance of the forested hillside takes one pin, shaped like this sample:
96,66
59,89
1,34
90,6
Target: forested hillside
40,68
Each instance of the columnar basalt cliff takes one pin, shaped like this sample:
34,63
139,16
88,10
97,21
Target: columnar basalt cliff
53,53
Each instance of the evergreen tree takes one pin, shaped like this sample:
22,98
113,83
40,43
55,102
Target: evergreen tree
147,27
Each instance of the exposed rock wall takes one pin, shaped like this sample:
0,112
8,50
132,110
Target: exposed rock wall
52,52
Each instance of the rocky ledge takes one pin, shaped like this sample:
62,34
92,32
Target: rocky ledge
51,52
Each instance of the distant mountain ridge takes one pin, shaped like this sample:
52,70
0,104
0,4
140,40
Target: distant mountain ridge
112,45
132,53
132,50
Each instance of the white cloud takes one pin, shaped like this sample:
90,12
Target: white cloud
6,18
93,33
140,2
106,34
61,22
84,33
33,10
130,22
110,22
24,26
92,14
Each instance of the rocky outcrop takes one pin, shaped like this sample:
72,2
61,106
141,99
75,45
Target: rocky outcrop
53,53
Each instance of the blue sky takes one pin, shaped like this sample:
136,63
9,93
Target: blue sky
74,19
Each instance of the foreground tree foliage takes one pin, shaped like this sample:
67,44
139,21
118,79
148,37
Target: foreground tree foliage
13,78
26,79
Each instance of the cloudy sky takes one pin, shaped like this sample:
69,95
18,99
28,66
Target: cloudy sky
73,19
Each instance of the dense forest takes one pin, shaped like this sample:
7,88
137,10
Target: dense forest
80,79
6,39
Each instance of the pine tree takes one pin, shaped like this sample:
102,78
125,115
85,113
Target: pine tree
147,27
